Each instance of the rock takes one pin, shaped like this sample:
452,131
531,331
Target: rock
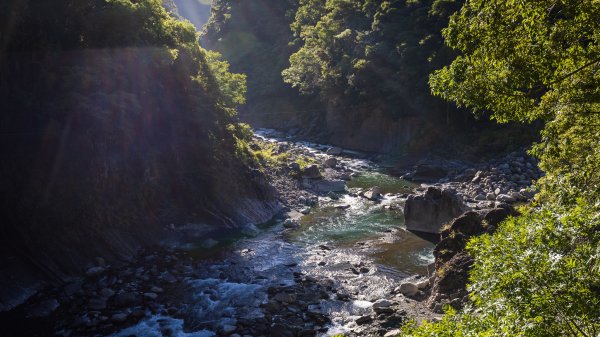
382,303
228,328
100,261
285,297
342,206
408,289
373,194
119,317
505,198
291,223
428,212
209,243
94,271
44,309
305,210
295,167
151,296
364,320
334,151
107,292
331,162
329,186
392,333
157,289
235,335
517,196
97,304
491,196
423,284
124,299
498,191
480,197
250,230
311,172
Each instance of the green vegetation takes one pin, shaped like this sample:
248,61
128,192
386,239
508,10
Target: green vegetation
539,274
371,53
112,116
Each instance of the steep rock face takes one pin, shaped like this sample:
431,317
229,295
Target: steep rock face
452,263
430,211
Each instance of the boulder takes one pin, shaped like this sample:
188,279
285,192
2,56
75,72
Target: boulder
373,194
311,172
382,303
329,186
291,223
427,213
505,198
331,162
408,289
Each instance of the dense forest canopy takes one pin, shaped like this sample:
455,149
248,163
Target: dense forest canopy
371,52
539,275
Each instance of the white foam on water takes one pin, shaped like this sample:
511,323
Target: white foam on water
153,327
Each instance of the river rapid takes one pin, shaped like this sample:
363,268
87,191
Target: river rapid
347,253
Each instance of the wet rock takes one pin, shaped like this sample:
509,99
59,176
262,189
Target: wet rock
286,297
305,210
228,328
156,289
373,194
428,212
342,207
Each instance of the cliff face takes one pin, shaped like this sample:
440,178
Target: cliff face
110,132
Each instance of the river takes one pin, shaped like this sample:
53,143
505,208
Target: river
351,251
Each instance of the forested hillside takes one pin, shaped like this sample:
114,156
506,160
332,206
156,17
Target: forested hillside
359,69
539,275
114,123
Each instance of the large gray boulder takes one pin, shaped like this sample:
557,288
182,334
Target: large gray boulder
430,211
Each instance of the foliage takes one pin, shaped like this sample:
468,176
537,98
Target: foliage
538,274
534,60
113,117
370,52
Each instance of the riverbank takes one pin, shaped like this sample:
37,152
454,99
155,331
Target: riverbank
337,260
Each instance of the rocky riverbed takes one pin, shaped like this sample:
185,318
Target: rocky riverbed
337,260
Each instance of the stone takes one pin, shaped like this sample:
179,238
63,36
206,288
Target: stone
286,297
44,309
364,320
124,299
305,210
326,186
107,292
392,333
311,172
423,284
334,151
480,197
209,243
373,194
382,303
295,167
94,271
505,198
427,213
151,296
100,261
331,162
344,207
97,304
119,317
156,289
408,289
490,196
235,335
291,223
228,328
